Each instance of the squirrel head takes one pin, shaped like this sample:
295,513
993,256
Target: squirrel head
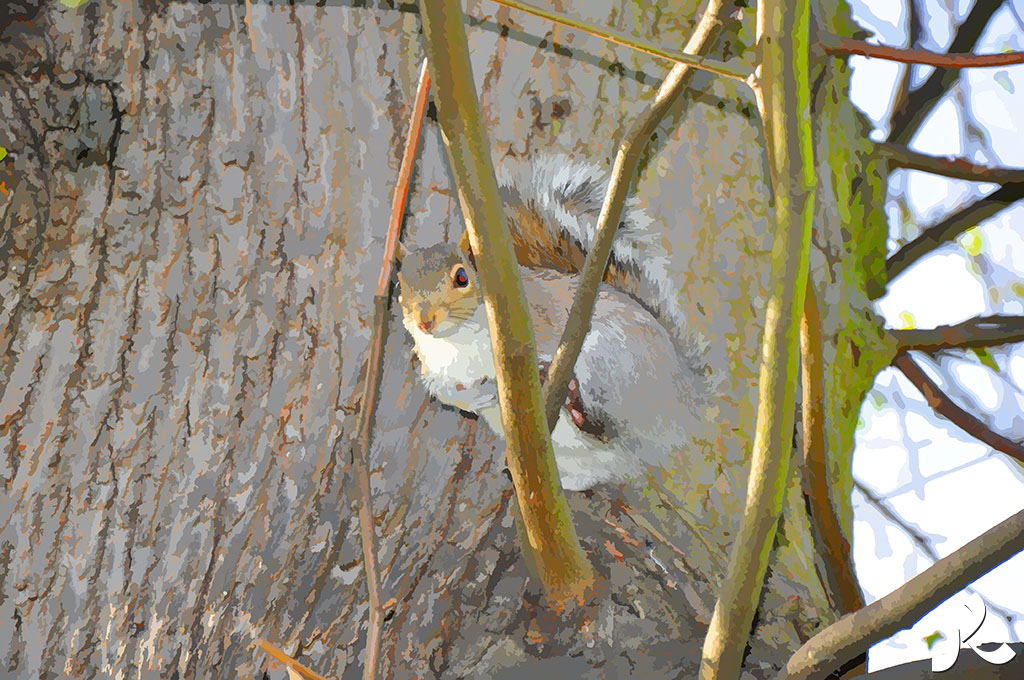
438,287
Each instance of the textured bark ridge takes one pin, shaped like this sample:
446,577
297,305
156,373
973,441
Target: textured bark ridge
191,227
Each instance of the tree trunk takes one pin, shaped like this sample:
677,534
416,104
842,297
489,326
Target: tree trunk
193,224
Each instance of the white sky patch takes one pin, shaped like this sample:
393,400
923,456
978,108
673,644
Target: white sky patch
939,290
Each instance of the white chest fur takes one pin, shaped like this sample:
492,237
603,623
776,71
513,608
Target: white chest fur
458,368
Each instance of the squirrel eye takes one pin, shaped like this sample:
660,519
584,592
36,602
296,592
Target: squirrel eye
460,278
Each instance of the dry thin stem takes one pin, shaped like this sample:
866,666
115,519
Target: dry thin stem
839,46
627,158
564,570
985,331
951,227
280,655
854,633
783,95
957,168
371,386
832,545
905,120
688,57
941,403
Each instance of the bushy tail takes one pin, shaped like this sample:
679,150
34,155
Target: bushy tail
553,204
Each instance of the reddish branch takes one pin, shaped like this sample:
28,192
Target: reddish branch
986,331
371,387
941,403
957,168
832,546
918,104
838,46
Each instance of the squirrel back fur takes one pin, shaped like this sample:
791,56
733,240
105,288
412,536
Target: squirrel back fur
638,379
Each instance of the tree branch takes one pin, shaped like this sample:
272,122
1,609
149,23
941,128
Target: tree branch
985,331
957,168
914,32
832,546
854,633
904,122
969,666
839,46
371,385
564,570
951,227
627,158
688,57
940,402
783,96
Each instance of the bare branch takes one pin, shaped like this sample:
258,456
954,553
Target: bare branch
564,570
957,168
280,655
905,120
783,96
627,158
688,57
832,546
839,46
951,227
940,402
371,385
986,331
914,32
969,666
854,633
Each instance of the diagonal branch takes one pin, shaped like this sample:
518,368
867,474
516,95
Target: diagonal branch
904,121
627,158
688,57
985,331
831,545
783,94
951,227
914,32
839,46
371,386
957,168
940,402
564,570
854,633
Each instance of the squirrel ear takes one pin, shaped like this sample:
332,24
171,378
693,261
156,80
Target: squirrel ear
466,248
399,252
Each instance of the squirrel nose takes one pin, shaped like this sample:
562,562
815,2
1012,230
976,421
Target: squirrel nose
425,324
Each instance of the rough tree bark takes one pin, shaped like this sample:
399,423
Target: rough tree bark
195,208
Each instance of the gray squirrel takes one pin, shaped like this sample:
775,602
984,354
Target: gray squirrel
638,387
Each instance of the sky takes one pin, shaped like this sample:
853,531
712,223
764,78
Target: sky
922,487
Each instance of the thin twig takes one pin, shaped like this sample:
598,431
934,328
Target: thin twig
783,95
951,227
957,168
688,57
371,386
627,158
832,545
985,331
904,121
565,572
941,403
280,655
854,633
914,32
839,46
